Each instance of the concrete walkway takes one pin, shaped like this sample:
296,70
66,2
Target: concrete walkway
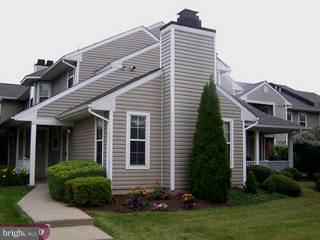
67,223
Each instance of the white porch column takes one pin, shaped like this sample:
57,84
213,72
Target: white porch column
256,147
290,149
110,145
33,142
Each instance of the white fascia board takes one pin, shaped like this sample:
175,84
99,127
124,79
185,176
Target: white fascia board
245,113
50,121
132,55
222,67
108,40
188,29
108,102
235,85
265,83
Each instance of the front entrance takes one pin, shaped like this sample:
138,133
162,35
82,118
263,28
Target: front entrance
42,152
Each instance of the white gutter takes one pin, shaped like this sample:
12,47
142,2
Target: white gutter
97,115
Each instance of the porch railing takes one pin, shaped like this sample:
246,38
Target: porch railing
274,165
25,163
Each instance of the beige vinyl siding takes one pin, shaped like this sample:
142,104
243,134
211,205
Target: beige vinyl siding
98,57
81,144
229,110
144,63
166,108
194,64
9,108
146,98
59,84
312,119
156,31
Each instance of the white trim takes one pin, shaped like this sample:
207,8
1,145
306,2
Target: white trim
51,121
131,55
306,119
38,90
147,140
230,121
108,102
33,141
172,109
100,140
244,152
110,145
245,113
257,147
108,40
244,97
188,29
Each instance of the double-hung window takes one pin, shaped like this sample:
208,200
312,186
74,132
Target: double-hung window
70,77
99,135
44,91
138,140
228,135
289,116
302,119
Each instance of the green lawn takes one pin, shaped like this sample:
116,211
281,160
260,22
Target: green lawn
282,219
9,210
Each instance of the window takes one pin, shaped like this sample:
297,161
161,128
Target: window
138,140
228,135
302,119
44,91
289,116
99,133
70,77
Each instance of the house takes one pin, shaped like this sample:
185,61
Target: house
129,102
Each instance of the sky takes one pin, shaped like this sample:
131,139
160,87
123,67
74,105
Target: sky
272,40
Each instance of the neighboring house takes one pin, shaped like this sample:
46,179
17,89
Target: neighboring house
130,103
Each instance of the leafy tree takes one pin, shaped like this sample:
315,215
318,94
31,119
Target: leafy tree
209,166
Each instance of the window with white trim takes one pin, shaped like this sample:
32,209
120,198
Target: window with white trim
71,77
138,140
99,136
228,135
289,116
302,119
44,91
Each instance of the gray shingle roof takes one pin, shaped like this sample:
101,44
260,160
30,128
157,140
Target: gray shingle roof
12,91
247,87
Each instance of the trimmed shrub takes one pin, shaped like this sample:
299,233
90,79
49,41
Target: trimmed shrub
286,174
251,183
282,184
297,175
209,165
58,174
13,176
318,184
316,176
260,172
88,191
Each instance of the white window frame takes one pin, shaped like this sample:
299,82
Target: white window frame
147,140
38,91
289,113
100,140
230,121
73,76
306,119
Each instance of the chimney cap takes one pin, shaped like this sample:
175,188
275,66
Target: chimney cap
189,18
49,63
41,62
187,11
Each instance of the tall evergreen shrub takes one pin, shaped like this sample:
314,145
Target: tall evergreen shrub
209,166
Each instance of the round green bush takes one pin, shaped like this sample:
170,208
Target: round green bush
287,174
281,184
297,175
260,172
318,184
58,174
88,191
251,183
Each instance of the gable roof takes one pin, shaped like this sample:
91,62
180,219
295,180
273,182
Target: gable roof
12,91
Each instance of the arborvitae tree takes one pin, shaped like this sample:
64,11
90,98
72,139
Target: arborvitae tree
251,183
209,167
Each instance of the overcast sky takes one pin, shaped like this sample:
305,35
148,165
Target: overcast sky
273,40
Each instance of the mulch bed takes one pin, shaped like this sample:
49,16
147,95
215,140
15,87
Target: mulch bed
119,204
